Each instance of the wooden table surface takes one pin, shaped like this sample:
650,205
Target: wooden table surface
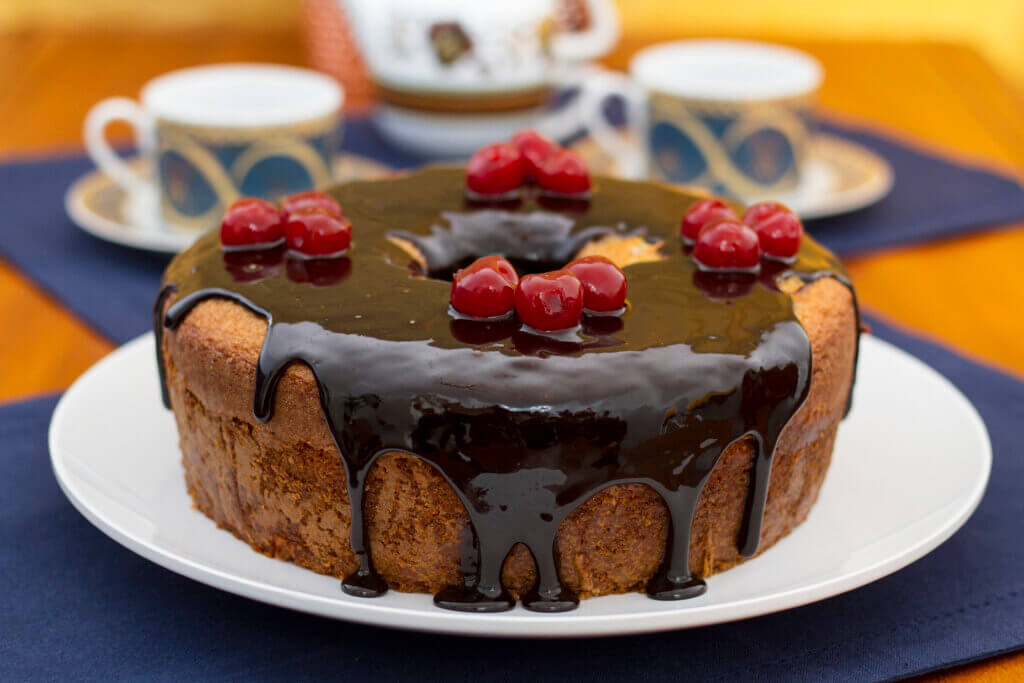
965,292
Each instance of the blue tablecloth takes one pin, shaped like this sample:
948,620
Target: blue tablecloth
112,287
74,604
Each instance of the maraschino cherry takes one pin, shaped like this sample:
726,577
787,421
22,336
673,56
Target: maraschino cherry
727,246
495,171
604,284
536,150
485,289
564,174
756,213
550,302
251,223
779,234
317,233
309,199
700,214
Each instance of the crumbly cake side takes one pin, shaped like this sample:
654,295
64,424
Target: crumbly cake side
280,486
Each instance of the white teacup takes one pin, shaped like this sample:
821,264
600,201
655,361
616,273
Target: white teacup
214,133
731,116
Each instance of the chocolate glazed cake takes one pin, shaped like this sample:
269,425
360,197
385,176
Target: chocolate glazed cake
336,415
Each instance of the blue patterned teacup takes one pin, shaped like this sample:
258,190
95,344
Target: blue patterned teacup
729,116
215,133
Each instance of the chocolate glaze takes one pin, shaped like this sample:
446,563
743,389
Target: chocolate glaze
524,427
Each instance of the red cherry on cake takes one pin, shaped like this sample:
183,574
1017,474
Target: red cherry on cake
727,245
756,213
317,233
604,283
495,171
565,174
250,223
700,214
779,235
307,200
550,301
535,148
499,264
485,288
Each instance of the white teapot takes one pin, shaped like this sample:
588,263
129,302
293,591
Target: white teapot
454,74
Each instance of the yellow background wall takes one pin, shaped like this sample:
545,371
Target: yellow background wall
146,13
994,27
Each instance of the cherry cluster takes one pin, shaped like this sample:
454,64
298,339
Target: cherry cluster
490,289
310,224
723,242
500,171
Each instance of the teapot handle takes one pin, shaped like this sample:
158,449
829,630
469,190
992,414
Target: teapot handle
599,37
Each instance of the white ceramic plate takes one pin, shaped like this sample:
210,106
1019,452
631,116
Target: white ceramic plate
913,446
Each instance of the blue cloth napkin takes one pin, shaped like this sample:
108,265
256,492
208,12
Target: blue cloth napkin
932,198
112,287
74,604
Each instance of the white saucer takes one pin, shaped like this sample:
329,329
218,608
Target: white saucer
451,136
910,465
101,207
840,176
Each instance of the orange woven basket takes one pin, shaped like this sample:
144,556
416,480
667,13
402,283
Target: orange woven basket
332,49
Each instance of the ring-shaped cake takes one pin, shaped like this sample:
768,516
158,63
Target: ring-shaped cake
337,415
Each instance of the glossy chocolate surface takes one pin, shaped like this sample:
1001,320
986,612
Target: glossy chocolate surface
524,427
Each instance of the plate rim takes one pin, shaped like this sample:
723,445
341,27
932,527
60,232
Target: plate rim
519,624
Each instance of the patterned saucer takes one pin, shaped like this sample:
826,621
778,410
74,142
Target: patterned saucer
102,208
840,176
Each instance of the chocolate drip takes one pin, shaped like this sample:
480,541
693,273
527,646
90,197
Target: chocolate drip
523,427
158,333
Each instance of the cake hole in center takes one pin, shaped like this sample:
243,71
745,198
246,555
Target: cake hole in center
533,242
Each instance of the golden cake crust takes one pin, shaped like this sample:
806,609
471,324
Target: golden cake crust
280,486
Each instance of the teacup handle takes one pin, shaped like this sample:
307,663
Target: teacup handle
630,153
96,122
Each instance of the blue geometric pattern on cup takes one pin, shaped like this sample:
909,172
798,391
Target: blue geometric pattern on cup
275,177
731,149
201,177
185,187
766,156
676,156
